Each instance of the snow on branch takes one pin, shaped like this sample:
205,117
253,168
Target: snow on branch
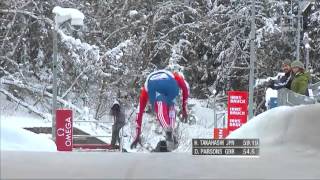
116,53
64,14
76,43
24,104
177,52
181,26
315,17
83,55
39,90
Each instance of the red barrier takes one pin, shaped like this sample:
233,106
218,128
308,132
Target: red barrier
220,133
237,109
64,130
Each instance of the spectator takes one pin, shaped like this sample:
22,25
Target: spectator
300,79
285,80
118,123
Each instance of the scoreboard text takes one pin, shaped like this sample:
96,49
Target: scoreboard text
228,147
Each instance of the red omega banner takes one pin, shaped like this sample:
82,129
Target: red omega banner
237,109
64,130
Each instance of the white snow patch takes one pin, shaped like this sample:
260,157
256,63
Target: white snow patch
64,14
15,138
133,13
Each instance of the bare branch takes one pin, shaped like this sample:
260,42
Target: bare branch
22,32
45,19
73,83
12,22
13,63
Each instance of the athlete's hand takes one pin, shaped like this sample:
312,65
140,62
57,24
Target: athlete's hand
184,113
184,116
135,142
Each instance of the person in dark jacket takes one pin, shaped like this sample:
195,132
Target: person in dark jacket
285,80
300,79
119,122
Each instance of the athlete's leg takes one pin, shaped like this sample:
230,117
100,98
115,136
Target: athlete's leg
172,116
161,109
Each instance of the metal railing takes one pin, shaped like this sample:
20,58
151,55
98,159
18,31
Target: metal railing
220,120
315,91
287,97
96,146
84,136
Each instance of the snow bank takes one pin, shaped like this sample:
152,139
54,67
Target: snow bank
297,126
18,139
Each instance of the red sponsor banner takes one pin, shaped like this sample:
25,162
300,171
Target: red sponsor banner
237,109
220,133
64,130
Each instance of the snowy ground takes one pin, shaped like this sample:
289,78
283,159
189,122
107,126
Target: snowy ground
14,137
14,115
13,119
272,164
289,149
152,132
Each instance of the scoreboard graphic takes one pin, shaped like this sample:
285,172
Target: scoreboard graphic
226,147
